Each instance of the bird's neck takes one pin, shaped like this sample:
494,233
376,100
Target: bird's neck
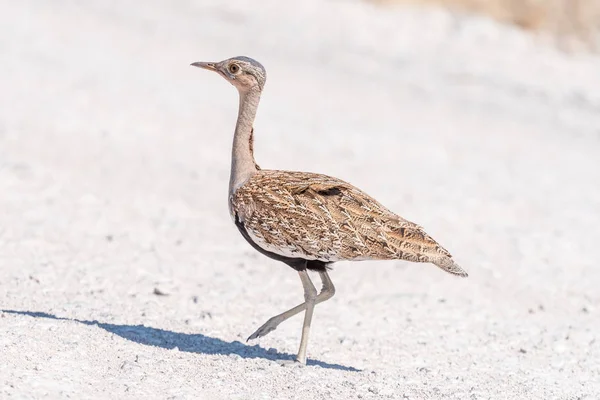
243,165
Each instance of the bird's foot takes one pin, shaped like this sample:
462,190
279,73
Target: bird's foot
265,329
291,363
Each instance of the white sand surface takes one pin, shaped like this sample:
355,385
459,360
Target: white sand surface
114,164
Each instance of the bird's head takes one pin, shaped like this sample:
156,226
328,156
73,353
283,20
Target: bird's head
242,72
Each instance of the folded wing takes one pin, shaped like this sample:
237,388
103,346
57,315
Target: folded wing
318,217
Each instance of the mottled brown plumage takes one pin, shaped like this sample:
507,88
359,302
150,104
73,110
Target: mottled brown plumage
318,217
306,220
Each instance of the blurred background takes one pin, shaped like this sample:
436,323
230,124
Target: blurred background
122,275
571,22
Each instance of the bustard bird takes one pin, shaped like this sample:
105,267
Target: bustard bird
306,220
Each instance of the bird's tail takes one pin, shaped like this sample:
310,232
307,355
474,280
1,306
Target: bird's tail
448,265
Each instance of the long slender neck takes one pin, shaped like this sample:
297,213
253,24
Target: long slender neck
243,165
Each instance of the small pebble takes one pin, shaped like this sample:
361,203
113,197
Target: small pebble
205,314
159,292
373,389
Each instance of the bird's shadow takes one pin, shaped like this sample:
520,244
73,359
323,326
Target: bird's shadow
192,343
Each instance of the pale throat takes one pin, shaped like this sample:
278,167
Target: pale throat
243,165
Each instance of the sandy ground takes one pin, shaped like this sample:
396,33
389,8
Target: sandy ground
114,163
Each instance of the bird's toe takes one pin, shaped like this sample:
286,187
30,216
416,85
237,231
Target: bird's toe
291,363
265,329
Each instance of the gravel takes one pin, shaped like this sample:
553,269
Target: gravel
122,275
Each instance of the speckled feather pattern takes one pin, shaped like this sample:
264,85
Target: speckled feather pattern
318,217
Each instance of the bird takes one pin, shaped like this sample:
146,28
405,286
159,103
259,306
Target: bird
308,220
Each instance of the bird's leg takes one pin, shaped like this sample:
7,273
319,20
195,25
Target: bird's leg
327,292
310,296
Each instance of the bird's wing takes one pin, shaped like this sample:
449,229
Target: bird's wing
313,216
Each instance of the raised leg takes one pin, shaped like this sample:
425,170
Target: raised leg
327,292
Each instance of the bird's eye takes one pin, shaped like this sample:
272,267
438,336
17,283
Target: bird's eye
234,68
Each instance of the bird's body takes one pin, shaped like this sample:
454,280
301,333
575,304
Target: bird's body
308,220
318,217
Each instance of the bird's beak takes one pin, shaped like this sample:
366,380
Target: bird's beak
206,65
